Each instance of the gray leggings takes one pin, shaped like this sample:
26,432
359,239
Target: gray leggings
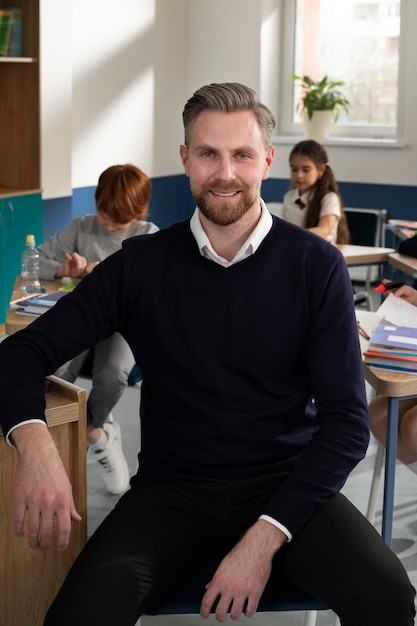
112,362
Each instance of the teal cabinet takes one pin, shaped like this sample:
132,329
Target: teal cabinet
19,216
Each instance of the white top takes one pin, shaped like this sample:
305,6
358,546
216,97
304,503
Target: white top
330,205
249,247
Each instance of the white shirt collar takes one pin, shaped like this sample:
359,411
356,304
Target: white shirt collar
248,248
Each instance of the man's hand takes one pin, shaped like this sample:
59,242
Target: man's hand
242,575
42,489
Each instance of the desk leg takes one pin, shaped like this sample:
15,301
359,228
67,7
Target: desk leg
390,461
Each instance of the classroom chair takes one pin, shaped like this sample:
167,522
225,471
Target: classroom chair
186,599
366,227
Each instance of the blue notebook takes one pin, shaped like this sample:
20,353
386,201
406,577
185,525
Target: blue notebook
392,336
39,304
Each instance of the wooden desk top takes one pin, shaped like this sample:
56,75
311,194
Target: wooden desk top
398,231
392,384
364,255
407,264
15,321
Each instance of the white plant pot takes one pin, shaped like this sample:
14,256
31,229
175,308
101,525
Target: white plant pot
319,125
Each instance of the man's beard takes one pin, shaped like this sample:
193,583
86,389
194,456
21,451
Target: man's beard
223,213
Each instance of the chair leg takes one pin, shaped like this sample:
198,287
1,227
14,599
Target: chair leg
310,618
376,479
368,280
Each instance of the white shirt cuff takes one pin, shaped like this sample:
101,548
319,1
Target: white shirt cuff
31,421
274,522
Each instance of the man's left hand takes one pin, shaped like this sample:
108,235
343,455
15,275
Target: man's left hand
242,575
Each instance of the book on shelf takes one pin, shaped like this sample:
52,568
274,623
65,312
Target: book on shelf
10,32
5,31
36,305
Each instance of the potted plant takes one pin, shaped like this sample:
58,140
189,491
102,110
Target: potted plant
321,103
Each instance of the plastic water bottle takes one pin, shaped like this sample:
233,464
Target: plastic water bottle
30,267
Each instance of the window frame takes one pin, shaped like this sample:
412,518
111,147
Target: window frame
344,132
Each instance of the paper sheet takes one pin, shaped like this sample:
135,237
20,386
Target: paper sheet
398,312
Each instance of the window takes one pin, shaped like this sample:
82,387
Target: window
356,41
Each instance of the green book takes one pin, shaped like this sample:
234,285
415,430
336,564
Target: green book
10,32
15,39
6,22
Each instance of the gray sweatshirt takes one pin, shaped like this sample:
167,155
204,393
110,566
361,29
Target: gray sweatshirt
87,237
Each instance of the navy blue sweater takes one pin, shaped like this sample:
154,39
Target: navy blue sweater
230,358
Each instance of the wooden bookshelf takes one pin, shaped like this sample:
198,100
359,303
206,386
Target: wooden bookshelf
20,107
17,60
20,172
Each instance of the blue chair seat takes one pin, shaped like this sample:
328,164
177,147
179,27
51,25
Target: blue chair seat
186,598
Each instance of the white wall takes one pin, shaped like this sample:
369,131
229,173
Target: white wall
115,77
56,97
225,44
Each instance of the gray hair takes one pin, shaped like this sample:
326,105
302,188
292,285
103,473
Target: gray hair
229,98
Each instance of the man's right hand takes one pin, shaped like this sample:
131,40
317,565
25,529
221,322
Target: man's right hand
43,489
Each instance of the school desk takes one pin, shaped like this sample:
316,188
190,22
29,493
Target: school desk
396,386
364,255
17,321
403,262
31,579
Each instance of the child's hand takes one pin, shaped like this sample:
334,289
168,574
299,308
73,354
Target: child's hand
90,267
406,292
74,265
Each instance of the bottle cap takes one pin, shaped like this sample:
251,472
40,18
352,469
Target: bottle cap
30,239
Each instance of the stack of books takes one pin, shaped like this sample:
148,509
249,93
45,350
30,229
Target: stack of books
36,305
393,347
10,32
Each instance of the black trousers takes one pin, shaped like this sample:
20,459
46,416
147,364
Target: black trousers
158,532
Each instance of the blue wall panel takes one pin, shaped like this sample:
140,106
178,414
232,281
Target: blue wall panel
171,201
399,200
57,212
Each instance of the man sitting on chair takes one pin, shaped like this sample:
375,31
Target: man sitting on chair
236,319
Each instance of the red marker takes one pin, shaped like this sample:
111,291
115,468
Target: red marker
395,284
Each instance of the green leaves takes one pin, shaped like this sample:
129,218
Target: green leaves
323,95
